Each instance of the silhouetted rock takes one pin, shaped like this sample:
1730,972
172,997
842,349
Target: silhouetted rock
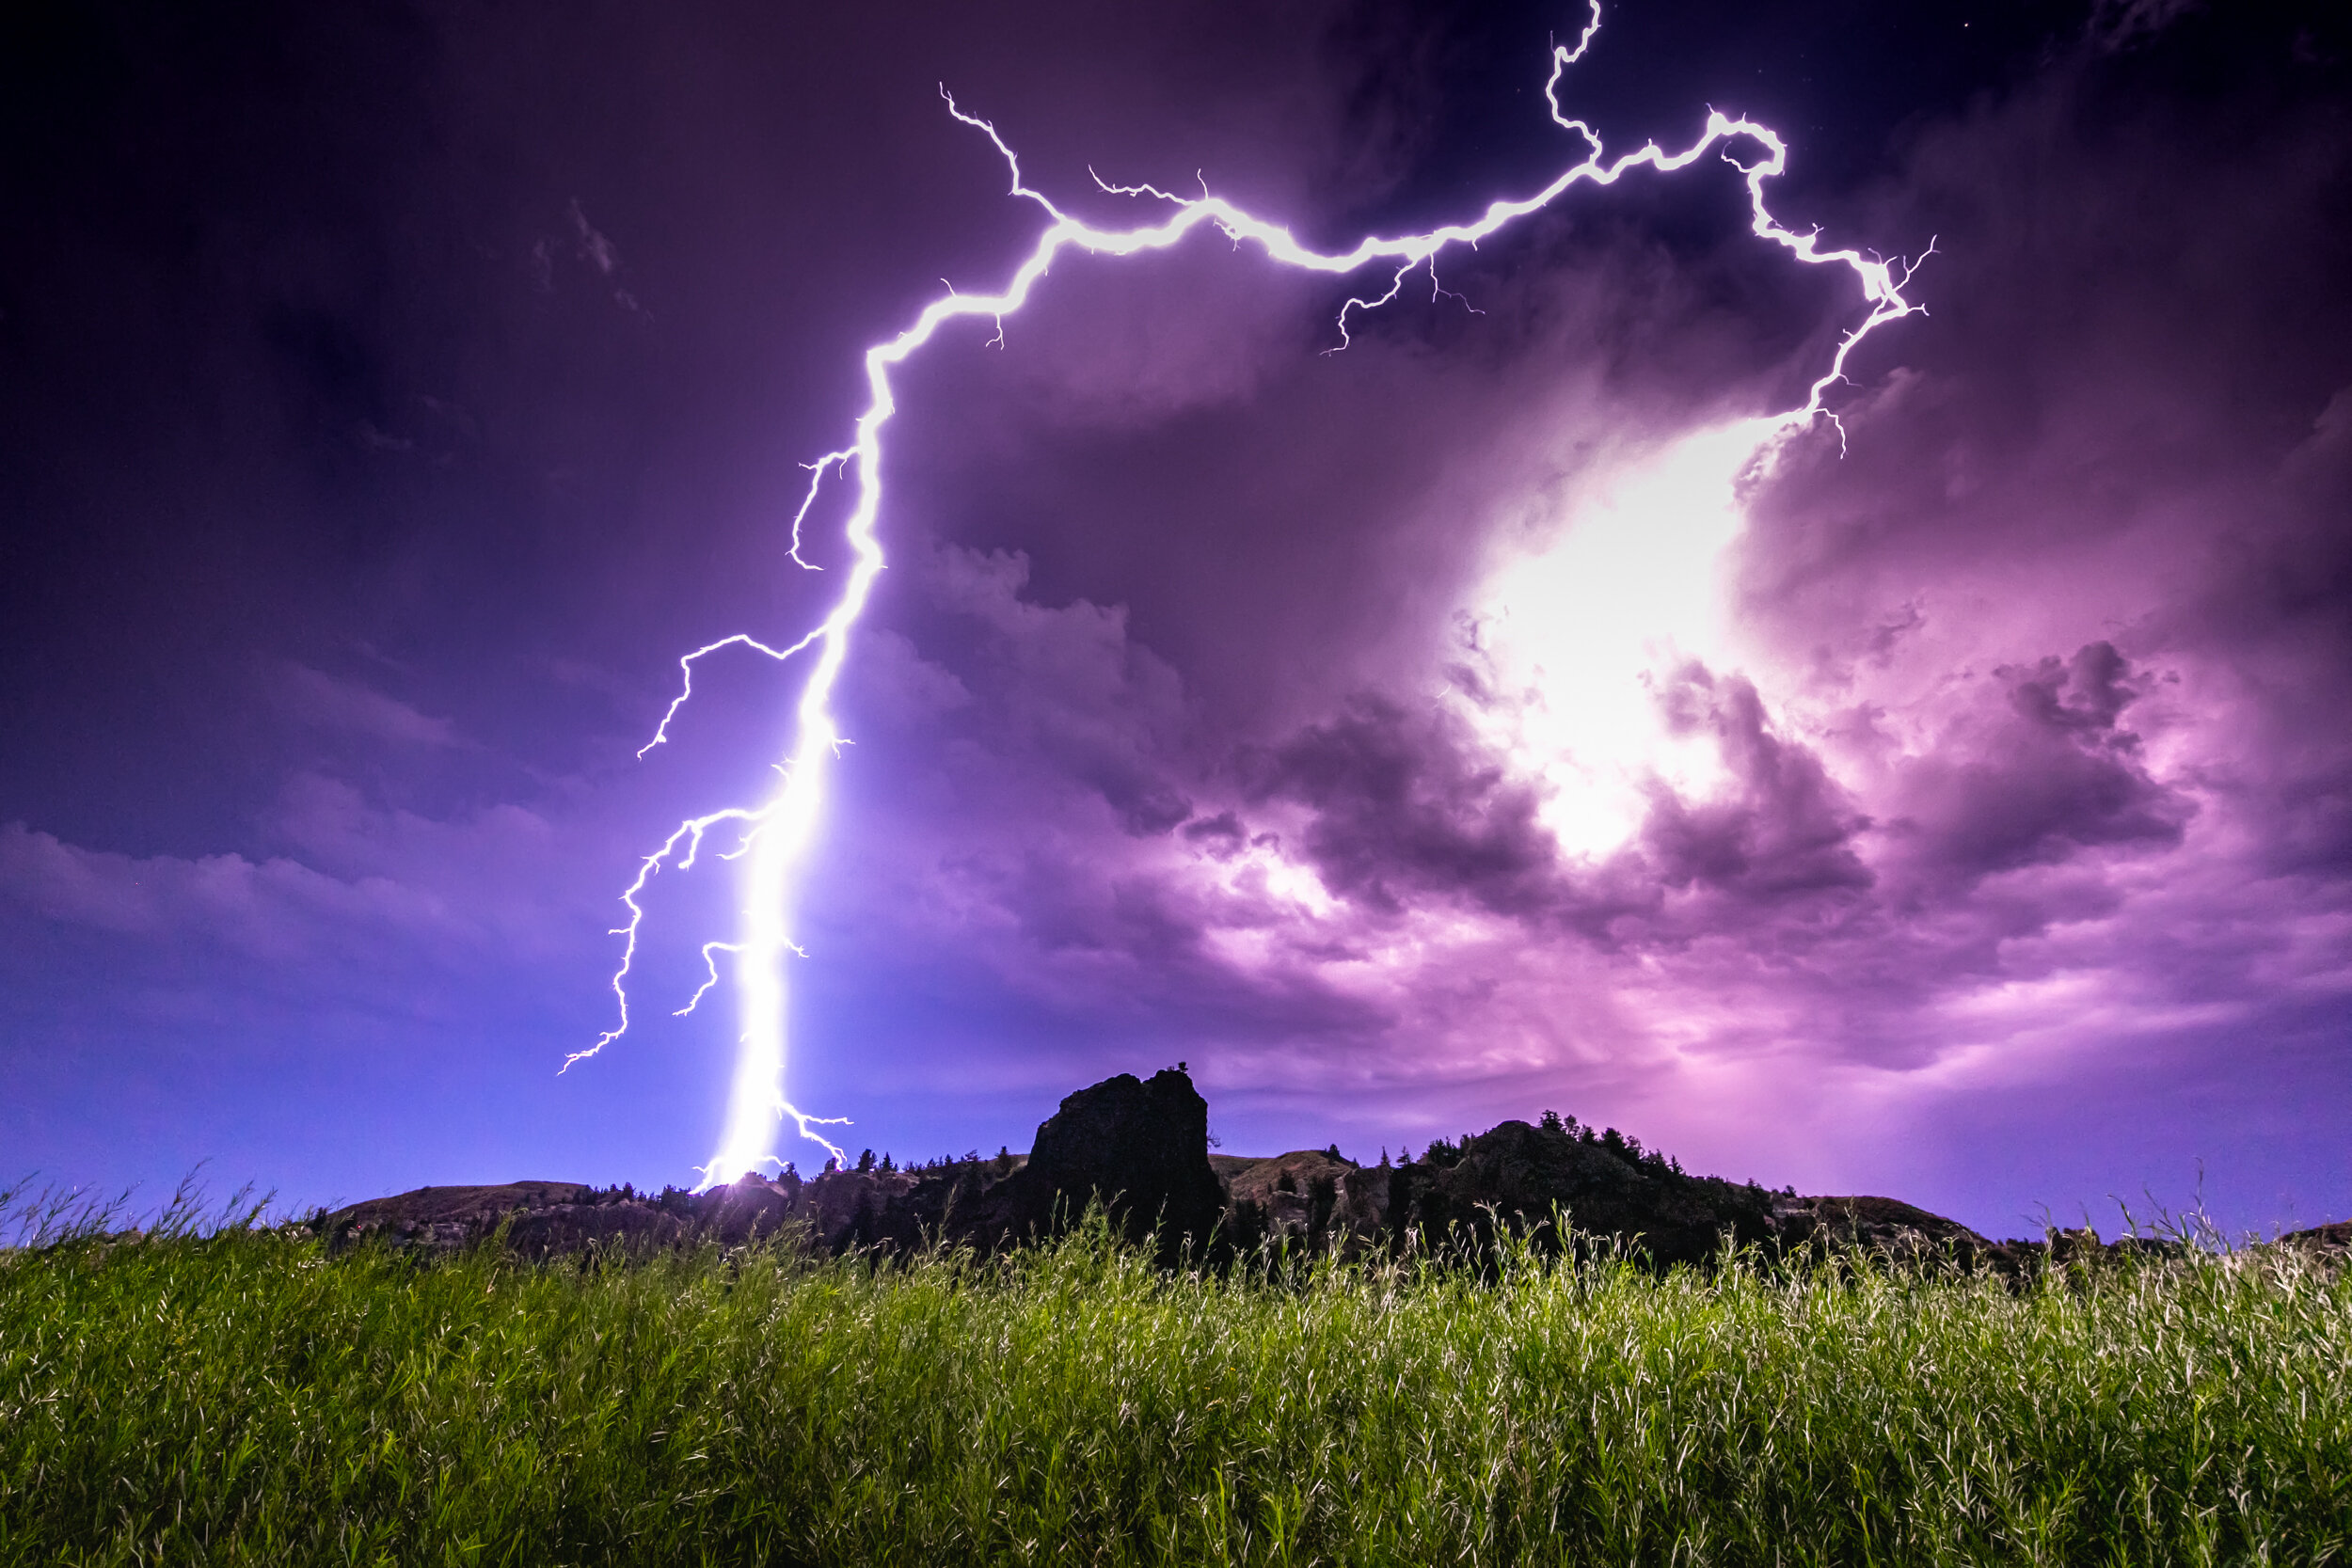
1140,1148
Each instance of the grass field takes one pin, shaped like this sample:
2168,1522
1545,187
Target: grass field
239,1397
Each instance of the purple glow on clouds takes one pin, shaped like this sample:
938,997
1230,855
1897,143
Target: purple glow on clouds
1406,739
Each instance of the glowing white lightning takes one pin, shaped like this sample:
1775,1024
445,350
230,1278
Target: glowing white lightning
776,835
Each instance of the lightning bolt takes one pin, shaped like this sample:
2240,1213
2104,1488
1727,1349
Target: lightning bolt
773,838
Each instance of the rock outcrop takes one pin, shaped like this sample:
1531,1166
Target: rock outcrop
1140,1148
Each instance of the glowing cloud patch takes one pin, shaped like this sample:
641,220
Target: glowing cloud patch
1577,634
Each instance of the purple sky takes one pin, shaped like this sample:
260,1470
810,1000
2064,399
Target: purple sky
1407,738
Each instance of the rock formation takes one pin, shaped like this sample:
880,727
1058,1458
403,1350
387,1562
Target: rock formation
1140,1148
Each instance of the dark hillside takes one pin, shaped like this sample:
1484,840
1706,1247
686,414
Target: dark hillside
1140,1147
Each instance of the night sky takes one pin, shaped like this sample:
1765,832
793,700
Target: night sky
1409,737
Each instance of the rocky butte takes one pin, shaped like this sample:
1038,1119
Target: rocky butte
1140,1148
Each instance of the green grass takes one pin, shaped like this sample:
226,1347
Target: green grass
239,1397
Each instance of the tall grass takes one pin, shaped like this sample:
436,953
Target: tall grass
240,1397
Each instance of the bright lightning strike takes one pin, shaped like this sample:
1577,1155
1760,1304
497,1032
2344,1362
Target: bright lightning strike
775,836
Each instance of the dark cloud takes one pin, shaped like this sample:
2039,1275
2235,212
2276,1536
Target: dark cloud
1403,807
1783,832
2053,776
